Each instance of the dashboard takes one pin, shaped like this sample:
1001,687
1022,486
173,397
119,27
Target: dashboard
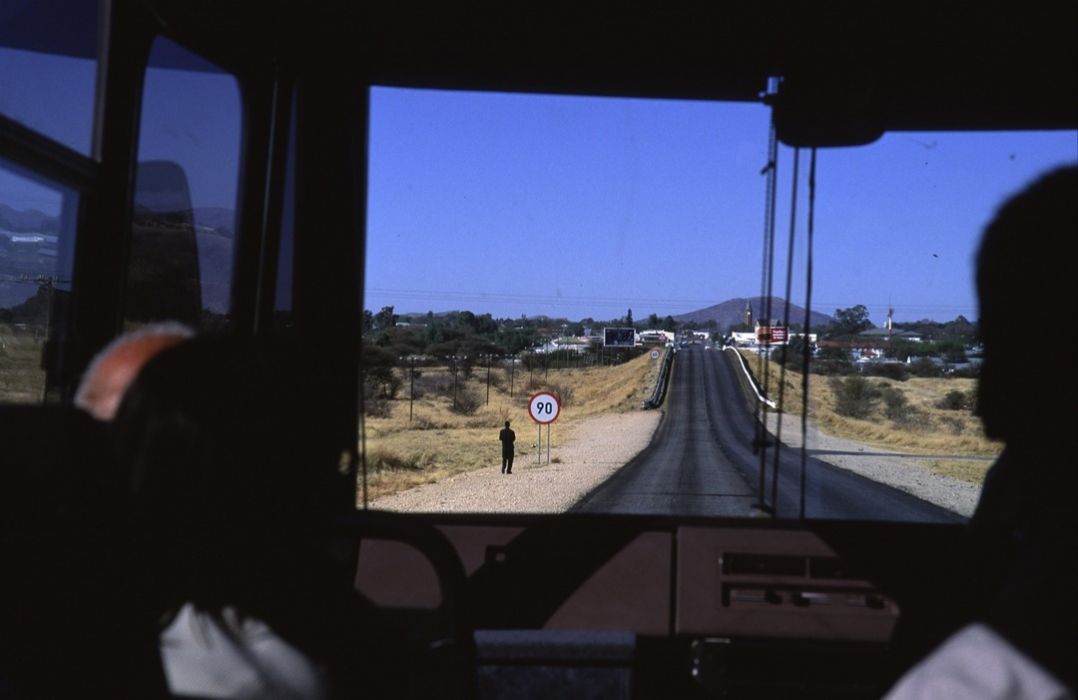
648,607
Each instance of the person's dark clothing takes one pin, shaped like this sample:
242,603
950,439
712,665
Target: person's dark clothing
1024,534
508,437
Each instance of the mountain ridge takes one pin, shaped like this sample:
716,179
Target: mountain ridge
732,312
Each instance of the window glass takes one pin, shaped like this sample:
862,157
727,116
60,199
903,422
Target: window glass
37,226
185,199
282,301
510,236
48,68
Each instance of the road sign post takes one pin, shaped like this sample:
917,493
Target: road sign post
544,408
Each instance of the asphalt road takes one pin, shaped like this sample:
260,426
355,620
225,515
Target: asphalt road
701,462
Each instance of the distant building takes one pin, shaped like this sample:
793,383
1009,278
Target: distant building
888,333
743,339
655,337
751,339
575,344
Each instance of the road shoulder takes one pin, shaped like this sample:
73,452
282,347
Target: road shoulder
591,452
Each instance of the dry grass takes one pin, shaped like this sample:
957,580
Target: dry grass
972,471
438,442
21,377
932,431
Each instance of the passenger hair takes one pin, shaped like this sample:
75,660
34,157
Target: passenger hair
171,329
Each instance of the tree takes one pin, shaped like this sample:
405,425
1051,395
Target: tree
654,322
385,318
851,321
901,349
669,324
402,340
629,318
793,352
467,319
485,324
376,368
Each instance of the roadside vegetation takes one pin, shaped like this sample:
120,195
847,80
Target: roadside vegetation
925,415
453,428
21,377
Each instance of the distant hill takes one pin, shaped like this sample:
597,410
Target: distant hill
213,239
222,220
28,221
732,312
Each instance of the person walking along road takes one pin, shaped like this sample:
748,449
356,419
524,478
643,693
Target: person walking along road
508,437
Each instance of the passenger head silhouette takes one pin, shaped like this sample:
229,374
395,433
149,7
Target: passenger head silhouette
227,473
1027,282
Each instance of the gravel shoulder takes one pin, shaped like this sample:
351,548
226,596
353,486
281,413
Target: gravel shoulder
902,470
592,451
597,447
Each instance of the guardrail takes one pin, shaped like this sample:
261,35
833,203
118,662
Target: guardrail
752,380
659,392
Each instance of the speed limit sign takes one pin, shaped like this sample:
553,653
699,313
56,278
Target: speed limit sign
544,408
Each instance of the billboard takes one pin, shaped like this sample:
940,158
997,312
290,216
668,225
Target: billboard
776,335
619,337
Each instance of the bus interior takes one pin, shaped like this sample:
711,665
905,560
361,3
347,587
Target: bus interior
493,605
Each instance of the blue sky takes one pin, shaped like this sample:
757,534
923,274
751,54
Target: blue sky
569,206
576,207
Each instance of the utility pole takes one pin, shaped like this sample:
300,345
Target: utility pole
411,387
489,359
454,361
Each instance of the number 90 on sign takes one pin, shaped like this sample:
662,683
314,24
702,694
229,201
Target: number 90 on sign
544,408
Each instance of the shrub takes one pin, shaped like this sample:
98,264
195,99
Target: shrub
564,392
381,460
955,401
924,367
955,423
898,408
424,422
831,368
789,356
891,370
896,405
855,397
467,402
437,384
832,361
377,407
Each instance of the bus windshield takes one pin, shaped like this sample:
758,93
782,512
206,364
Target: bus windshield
607,253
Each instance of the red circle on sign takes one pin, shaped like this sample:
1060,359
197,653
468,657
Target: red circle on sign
544,408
